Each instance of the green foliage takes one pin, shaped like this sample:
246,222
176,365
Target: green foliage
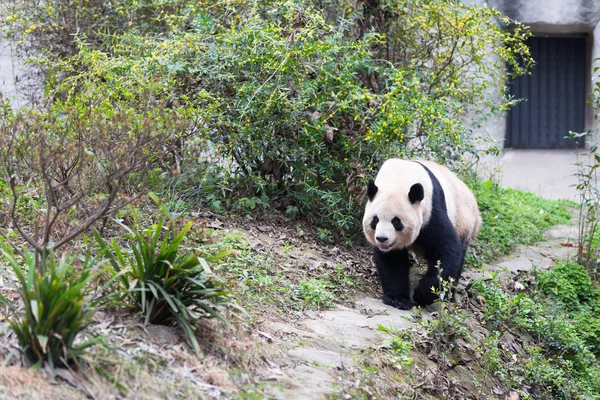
73,164
561,364
164,283
314,294
569,284
250,204
510,218
324,235
589,201
287,98
57,307
400,350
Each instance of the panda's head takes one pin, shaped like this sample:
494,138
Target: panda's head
393,215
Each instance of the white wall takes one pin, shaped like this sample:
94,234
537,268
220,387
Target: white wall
551,17
7,72
574,15
13,76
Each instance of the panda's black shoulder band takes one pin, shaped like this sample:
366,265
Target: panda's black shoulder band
438,191
371,190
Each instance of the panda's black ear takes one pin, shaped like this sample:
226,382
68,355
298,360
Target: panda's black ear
416,193
371,189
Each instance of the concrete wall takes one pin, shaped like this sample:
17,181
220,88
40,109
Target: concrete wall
564,16
12,75
7,71
551,17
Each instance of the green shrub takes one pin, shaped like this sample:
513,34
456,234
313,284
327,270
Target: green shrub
315,294
570,284
57,307
587,325
165,284
562,365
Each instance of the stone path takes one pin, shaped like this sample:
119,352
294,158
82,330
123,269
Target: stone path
327,340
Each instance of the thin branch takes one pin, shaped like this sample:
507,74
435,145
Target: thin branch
89,222
14,218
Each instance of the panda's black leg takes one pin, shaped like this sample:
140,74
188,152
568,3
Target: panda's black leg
393,268
426,291
444,262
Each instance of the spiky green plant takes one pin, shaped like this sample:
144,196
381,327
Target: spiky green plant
164,283
56,306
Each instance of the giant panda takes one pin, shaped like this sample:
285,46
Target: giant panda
423,207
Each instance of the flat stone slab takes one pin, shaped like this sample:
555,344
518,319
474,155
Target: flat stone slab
304,382
357,328
565,232
476,275
328,342
321,358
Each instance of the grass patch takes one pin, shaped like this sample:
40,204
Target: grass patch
166,282
570,287
510,218
57,308
284,275
257,276
558,357
314,294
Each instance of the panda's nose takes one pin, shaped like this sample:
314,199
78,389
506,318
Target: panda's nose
381,239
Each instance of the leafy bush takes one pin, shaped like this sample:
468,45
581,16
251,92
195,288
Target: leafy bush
288,100
72,164
57,307
561,364
569,284
164,284
315,294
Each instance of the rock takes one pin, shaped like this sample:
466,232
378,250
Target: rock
322,358
351,328
563,232
162,334
304,382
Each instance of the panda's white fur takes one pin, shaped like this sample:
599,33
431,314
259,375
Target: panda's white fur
394,181
424,207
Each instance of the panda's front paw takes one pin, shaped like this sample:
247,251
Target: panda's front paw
398,301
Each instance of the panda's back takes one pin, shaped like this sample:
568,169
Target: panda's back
460,201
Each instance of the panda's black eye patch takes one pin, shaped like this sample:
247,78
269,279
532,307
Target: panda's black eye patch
397,224
374,222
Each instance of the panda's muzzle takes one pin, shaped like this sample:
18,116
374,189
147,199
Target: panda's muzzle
382,243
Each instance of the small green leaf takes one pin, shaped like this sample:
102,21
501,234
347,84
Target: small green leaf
43,340
34,310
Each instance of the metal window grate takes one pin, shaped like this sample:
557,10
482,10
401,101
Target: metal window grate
554,96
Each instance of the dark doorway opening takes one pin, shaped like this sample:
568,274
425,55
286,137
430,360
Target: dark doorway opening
554,96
